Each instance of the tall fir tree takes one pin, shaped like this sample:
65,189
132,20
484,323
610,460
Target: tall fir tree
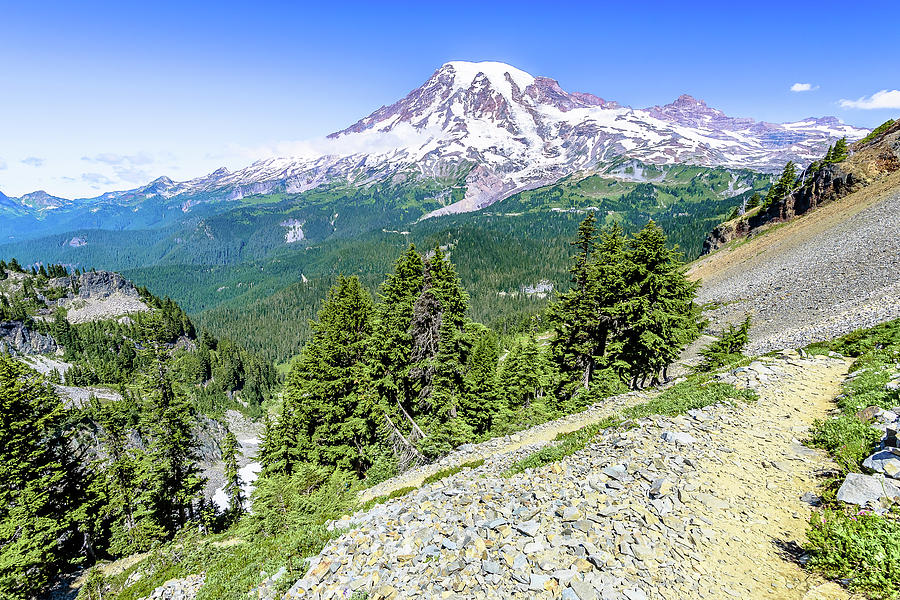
171,468
389,353
35,506
574,314
587,317
840,151
481,400
660,318
233,484
333,424
783,185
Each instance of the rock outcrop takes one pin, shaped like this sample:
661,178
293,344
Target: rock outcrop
16,338
100,295
870,161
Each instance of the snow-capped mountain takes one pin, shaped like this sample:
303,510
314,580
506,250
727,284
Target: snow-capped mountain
502,130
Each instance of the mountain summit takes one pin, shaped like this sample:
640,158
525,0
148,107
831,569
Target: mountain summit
504,130
497,130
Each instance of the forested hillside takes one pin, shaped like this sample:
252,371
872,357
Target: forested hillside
383,384
255,285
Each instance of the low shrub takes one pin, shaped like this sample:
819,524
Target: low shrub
474,464
569,443
859,547
846,438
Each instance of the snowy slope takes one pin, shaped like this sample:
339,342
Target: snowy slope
504,130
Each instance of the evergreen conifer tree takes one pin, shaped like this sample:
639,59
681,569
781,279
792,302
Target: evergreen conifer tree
233,490
333,424
481,399
660,318
840,150
390,348
35,511
171,468
587,317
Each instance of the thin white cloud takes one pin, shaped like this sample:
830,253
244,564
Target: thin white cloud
33,161
96,179
882,99
112,158
803,87
132,174
367,142
2,164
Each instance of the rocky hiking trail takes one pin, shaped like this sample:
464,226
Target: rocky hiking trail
711,504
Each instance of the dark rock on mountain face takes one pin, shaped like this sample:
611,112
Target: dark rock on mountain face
102,284
98,284
18,339
830,183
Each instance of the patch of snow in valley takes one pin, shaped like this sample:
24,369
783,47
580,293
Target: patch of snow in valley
248,474
294,231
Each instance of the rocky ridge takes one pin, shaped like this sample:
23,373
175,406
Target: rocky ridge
819,277
869,162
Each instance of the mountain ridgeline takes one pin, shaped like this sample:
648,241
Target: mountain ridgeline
493,164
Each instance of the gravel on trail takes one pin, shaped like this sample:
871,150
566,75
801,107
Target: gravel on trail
701,505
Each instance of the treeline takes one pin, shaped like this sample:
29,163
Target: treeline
382,386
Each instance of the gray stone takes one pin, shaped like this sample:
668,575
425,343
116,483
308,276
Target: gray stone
529,528
490,566
862,489
635,594
538,582
617,472
584,591
677,437
885,462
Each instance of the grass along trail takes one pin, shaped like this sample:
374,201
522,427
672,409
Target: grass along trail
530,439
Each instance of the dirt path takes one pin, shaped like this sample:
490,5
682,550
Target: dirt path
761,518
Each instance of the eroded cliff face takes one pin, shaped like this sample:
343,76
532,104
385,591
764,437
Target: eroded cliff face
868,162
15,338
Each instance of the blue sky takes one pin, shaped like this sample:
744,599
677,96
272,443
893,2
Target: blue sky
110,95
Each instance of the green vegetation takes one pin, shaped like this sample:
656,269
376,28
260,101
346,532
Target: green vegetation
381,386
727,349
694,392
37,483
398,493
861,548
844,543
847,439
567,444
228,265
443,473
877,132
391,385
782,186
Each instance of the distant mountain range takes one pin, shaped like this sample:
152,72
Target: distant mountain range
486,130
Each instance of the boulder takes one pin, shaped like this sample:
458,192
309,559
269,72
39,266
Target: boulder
864,489
884,461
